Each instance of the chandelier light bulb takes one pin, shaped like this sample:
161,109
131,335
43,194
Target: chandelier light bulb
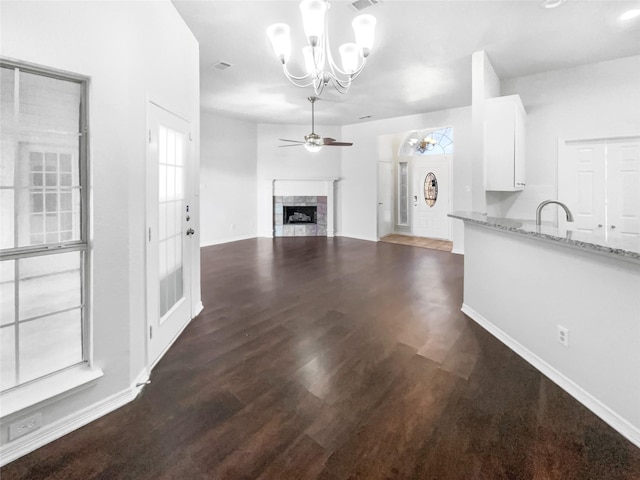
349,53
364,28
278,33
313,65
313,13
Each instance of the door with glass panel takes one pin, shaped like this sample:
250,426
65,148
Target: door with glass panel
43,230
431,196
168,230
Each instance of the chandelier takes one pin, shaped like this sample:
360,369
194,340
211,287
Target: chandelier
317,54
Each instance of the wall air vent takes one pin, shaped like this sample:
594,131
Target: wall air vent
359,5
221,65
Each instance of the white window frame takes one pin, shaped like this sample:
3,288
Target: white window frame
34,391
403,201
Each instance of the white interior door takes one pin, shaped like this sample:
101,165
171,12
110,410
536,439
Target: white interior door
168,231
430,214
600,183
623,173
582,184
385,199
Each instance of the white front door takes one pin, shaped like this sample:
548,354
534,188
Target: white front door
385,217
168,234
430,195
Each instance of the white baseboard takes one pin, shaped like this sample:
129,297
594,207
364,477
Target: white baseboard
16,449
618,423
457,251
198,309
225,240
357,237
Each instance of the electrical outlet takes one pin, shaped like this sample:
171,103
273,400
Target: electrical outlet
563,335
25,426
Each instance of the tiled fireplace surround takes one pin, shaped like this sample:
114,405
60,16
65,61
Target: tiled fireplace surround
311,192
280,229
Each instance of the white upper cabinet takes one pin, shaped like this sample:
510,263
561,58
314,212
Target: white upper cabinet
504,143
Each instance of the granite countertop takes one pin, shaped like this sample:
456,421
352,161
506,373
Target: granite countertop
604,242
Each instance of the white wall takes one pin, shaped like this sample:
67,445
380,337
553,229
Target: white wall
485,84
521,288
228,183
132,52
358,187
292,163
592,101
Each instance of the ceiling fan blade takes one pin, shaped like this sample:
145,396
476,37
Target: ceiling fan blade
294,145
328,140
286,140
338,144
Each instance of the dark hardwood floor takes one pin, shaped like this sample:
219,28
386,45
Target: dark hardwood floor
341,359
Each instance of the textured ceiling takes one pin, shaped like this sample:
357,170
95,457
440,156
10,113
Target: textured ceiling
421,61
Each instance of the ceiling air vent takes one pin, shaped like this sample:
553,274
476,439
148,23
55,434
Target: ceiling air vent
362,4
221,65
364,117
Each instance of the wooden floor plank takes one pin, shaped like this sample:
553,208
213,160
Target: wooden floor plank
320,358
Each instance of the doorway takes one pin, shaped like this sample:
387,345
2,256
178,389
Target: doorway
168,231
385,199
431,192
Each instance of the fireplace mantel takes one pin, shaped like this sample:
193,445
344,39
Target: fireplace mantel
310,186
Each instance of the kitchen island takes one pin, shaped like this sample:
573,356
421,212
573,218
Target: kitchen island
568,302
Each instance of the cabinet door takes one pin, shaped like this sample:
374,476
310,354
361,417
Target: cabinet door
520,149
504,137
500,133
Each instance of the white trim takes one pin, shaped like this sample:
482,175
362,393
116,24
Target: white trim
457,251
198,309
16,449
227,240
140,382
618,423
169,345
358,237
47,388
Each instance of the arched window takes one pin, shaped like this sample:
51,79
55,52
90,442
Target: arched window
427,142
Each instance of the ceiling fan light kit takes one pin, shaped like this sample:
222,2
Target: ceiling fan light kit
317,54
314,142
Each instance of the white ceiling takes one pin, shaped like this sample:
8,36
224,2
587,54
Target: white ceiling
421,61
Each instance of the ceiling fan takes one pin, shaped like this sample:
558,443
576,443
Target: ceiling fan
314,142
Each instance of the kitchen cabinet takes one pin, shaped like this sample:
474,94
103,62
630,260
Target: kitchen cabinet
504,143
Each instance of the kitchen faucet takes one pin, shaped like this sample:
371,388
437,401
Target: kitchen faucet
547,202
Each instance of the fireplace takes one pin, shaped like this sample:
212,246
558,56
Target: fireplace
300,214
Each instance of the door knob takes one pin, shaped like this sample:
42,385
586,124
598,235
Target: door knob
191,231
599,225
380,203
612,227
